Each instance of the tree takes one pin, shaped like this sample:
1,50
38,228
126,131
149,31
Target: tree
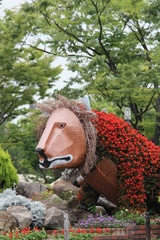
112,45
25,74
8,173
19,139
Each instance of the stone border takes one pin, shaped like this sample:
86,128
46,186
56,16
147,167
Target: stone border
131,232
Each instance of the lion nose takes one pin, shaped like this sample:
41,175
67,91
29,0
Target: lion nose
40,151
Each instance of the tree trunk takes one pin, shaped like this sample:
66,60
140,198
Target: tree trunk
156,138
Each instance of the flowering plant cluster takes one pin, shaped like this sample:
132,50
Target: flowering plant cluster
137,159
36,234
80,233
42,197
101,221
25,234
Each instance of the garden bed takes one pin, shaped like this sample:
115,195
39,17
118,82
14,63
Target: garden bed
137,232
131,232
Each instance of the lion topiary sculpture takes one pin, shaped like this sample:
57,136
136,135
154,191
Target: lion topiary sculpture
113,158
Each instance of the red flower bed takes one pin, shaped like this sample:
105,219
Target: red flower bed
92,230
137,158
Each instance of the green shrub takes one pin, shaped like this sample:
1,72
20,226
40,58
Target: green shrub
73,236
136,216
8,173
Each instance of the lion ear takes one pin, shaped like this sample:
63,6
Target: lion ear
86,102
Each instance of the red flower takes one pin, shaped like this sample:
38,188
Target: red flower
91,230
55,232
83,231
62,231
106,230
99,230
25,230
78,230
137,159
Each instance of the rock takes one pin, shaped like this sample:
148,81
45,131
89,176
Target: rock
109,206
71,216
81,214
61,186
100,210
7,222
73,202
56,201
30,189
55,206
54,219
22,214
59,203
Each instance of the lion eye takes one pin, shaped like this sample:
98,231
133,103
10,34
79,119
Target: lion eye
62,125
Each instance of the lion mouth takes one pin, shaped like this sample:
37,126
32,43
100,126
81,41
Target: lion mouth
45,162
50,163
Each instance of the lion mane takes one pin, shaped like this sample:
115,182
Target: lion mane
85,117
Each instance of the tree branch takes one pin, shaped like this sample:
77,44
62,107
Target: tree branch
72,35
140,38
110,63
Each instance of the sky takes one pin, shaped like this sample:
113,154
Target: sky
65,75
10,4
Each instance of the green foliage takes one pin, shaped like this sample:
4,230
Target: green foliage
20,141
136,216
24,71
43,197
75,236
113,46
88,197
8,173
66,195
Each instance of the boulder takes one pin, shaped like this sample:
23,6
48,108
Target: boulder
108,206
73,202
59,203
100,210
60,186
30,189
55,206
22,214
7,222
71,216
56,201
54,219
